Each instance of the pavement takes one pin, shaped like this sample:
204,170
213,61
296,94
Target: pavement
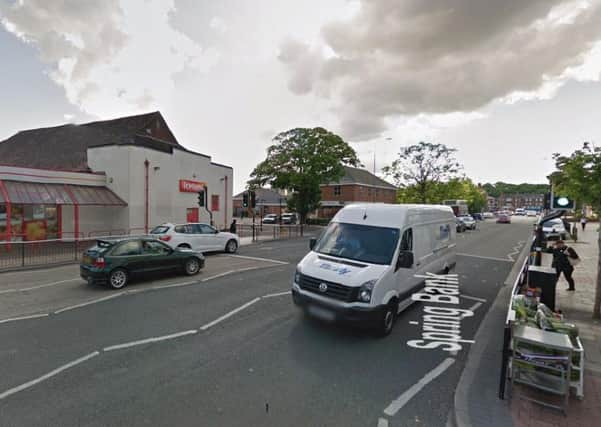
228,347
476,397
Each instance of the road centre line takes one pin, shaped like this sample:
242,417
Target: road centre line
150,340
229,314
60,282
50,374
279,294
402,400
472,298
485,257
94,301
275,261
32,316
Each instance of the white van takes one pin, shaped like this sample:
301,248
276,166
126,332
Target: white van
362,269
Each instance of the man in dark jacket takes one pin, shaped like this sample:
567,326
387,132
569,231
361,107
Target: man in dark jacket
233,227
561,254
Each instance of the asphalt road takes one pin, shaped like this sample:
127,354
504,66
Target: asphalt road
244,354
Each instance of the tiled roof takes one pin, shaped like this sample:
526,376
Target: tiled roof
64,147
362,177
265,196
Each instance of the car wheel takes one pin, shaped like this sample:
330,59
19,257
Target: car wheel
184,246
118,278
386,321
192,266
231,246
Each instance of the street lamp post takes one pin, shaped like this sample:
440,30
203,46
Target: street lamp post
375,145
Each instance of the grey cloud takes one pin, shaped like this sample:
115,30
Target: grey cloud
84,31
437,56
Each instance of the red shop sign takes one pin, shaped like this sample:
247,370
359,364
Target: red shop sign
186,186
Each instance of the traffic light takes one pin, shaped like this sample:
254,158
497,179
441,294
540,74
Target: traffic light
562,202
201,198
547,201
253,201
245,199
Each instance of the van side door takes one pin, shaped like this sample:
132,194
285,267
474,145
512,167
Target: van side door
404,276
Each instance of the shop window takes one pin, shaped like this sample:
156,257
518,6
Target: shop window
336,190
215,203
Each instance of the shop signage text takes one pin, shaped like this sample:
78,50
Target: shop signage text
186,186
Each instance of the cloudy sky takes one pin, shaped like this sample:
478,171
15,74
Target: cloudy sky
507,82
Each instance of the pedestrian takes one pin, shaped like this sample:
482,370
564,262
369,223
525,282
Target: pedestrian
233,227
583,222
563,259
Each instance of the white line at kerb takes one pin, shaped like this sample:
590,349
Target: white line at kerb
94,301
275,261
402,400
279,294
472,298
150,340
382,422
48,375
32,316
45,285
492,258
230,314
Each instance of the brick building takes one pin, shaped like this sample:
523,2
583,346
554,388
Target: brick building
357,185
532,201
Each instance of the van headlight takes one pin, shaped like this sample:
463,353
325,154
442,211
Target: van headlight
365,290
297,276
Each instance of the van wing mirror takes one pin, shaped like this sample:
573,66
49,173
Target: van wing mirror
405,260
312,243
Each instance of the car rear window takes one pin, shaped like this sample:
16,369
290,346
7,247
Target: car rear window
161,229
101,246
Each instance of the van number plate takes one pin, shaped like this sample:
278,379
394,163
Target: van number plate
321,313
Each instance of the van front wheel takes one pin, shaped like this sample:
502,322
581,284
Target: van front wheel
386,320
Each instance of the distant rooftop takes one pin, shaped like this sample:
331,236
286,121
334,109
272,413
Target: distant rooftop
361,177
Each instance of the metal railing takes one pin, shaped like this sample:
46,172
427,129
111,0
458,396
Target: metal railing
15,255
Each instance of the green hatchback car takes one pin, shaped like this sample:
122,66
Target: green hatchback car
114,261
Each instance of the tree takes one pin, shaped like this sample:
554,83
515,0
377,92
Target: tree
455,188
423,165
300,160
579,176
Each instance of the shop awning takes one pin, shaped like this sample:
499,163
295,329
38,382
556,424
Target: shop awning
30,193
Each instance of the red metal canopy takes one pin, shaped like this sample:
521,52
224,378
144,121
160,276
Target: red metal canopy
30,193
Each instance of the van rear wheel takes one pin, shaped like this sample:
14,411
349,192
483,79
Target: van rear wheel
386,320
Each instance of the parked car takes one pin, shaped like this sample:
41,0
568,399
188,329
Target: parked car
459,225
270,219
478,216
198,236
554,229
520,212
503,219
114,261
289,218
487,215
531,213
468,221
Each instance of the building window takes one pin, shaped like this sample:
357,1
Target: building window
215,203
336,190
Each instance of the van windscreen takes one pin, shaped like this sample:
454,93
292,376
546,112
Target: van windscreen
375,245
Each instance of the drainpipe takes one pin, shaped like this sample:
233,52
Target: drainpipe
225,207
146,189
8,211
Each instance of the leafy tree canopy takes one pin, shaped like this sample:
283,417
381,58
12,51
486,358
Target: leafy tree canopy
456,188
300,160
498,188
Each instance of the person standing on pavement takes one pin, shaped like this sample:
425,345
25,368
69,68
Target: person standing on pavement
562,254
233,227
583,222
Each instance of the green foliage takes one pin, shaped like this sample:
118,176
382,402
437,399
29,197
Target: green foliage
456,188
498,188
420,167
300,160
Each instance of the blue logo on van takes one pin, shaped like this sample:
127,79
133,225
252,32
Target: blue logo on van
340,270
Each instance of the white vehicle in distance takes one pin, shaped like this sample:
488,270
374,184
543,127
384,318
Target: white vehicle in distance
198,236
531,213
469,221
289,218
488,215
363,268
554,229
520,212
270,219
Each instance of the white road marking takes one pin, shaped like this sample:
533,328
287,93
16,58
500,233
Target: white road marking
94,301
279,294
472,298
150,340
492,258
382,422
170,285
515,250
275,261
230,314
45,285
48,375
402,400
453,352
475,306
32,316
413,322
226,273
